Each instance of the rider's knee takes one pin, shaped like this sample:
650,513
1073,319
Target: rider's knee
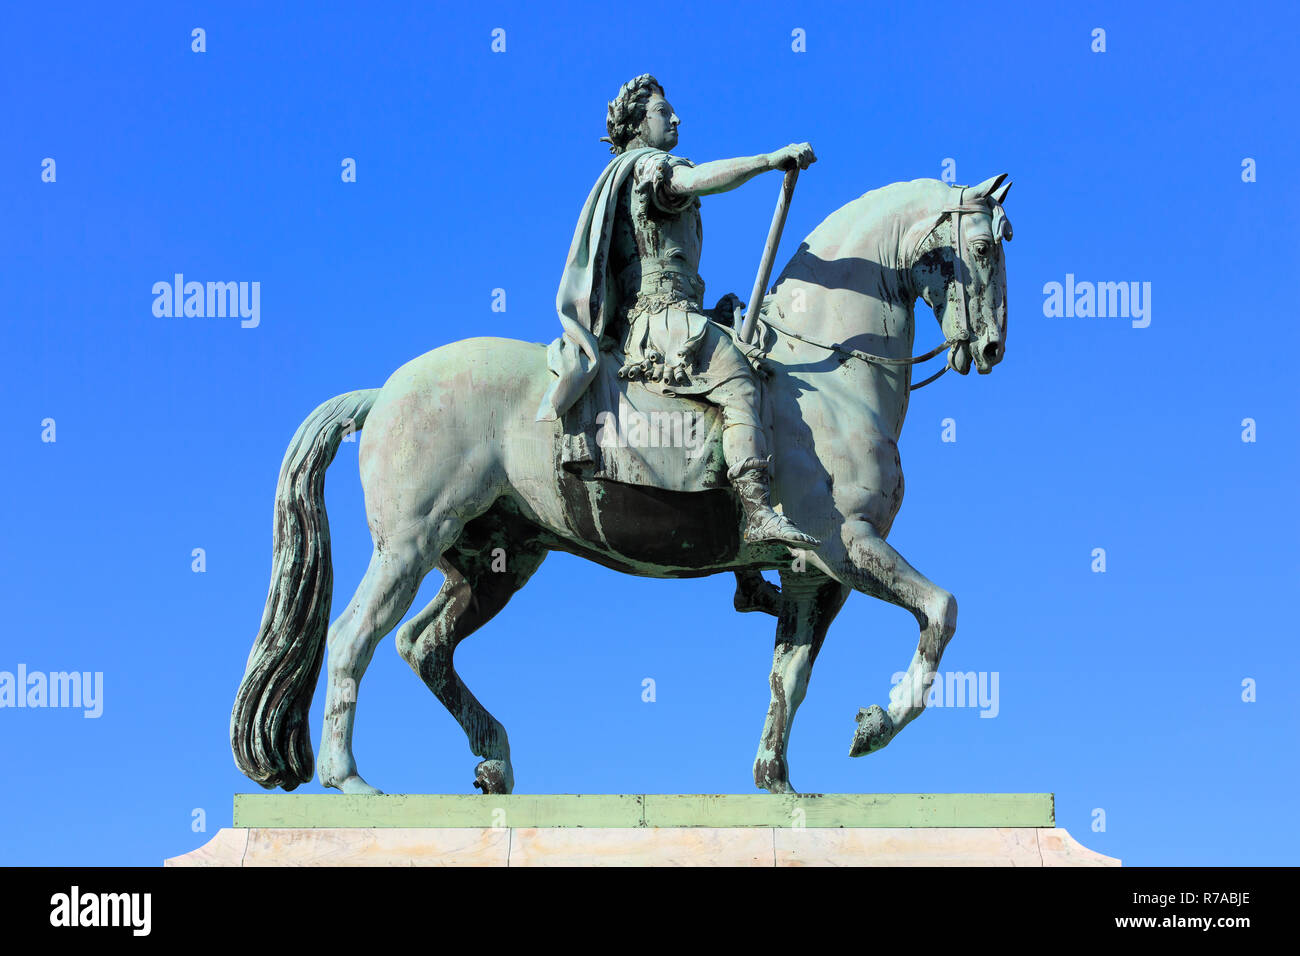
739,402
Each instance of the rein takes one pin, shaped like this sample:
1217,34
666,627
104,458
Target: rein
867,356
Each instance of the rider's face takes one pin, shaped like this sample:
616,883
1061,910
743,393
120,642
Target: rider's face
659,129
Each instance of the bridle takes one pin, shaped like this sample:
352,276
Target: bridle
1001,229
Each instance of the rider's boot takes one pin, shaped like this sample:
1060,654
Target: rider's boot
750,479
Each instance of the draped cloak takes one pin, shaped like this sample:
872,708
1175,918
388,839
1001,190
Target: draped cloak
586,299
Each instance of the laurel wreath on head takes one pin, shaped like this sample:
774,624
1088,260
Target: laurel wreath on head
626,113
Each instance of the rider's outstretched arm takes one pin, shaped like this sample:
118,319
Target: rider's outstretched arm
722,175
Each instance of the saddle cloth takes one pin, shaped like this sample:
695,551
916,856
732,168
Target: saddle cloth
622,431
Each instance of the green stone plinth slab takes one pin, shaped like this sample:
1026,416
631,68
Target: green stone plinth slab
637,811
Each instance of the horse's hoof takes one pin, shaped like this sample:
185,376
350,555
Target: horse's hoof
772,776
875,729
494,776
354,784
757,594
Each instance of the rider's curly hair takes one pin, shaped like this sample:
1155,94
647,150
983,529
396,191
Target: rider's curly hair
627,112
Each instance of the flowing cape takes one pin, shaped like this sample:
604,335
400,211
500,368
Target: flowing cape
585,300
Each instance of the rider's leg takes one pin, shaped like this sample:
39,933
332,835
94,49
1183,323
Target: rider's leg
744,446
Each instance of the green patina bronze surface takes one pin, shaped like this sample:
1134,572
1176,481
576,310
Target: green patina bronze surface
647,810
473,464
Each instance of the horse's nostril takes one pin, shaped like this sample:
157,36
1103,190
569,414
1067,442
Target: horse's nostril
991,352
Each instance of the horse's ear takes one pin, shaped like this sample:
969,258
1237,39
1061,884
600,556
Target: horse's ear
999,195
985,188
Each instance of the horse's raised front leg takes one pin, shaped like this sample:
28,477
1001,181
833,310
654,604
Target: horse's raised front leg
866,562
809,602
472,594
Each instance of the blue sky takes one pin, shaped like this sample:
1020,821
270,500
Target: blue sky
1119,691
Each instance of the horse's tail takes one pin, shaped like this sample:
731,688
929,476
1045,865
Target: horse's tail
269,732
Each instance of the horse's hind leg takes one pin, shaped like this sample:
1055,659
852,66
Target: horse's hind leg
809,602
382,597
755,593
473,593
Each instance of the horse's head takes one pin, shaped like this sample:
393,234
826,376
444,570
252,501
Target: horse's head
958,268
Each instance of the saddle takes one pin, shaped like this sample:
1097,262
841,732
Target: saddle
619,430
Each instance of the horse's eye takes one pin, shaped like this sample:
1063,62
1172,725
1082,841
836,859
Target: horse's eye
981,247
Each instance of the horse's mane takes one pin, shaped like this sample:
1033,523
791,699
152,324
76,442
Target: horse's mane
872,231
889,211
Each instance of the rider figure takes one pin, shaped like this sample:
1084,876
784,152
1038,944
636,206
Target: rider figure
669,342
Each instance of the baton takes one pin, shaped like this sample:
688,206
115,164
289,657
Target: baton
769,252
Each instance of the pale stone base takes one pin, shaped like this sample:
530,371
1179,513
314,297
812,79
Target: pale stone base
644,846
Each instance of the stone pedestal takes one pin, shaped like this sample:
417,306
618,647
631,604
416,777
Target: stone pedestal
644,830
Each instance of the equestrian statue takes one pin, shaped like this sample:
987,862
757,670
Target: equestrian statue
654,436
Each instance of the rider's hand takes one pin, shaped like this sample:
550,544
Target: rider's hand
725,310
800,154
